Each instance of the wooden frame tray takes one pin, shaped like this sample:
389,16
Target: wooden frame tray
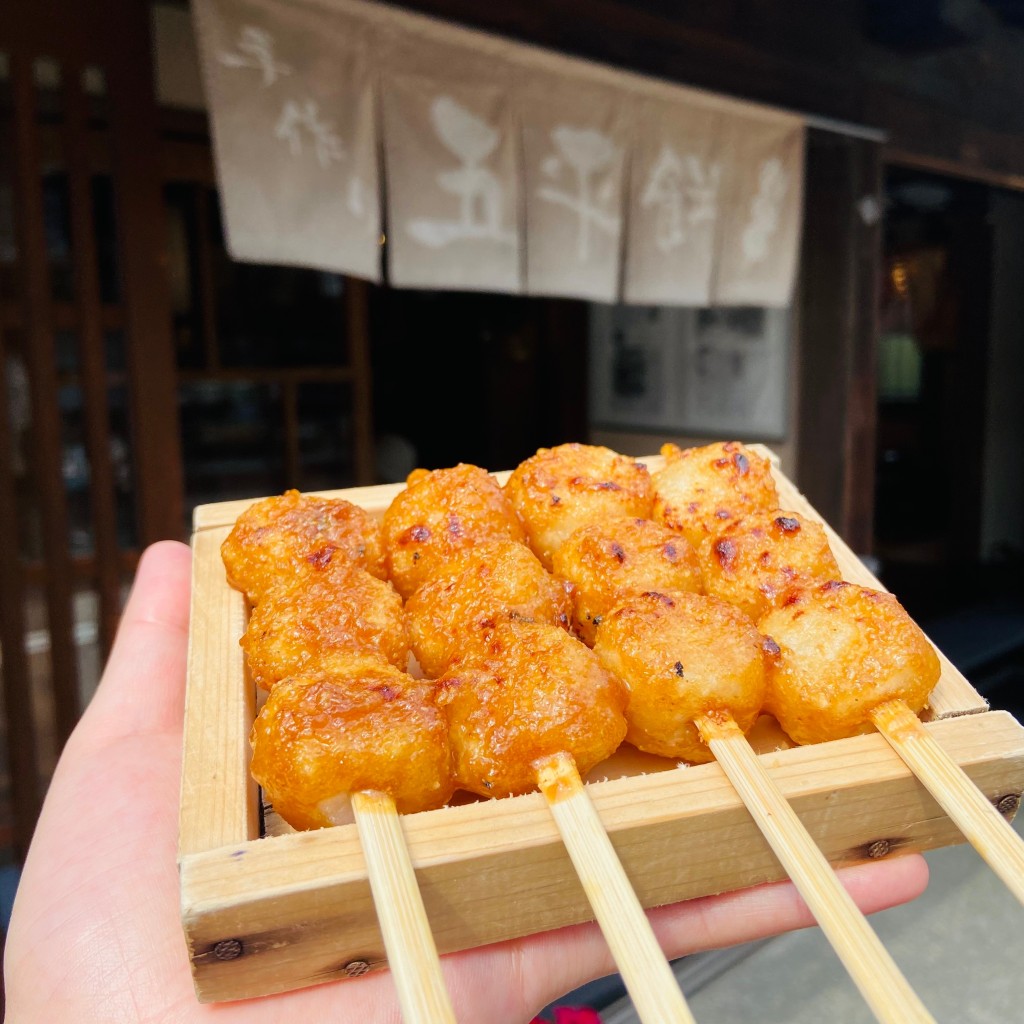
268,913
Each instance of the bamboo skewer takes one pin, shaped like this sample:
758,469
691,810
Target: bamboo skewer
873,971
645,971
981,824
412,954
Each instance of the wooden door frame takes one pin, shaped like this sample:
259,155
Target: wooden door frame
837,308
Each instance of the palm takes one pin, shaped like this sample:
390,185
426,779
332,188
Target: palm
96,934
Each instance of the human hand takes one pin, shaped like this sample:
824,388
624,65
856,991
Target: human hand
96,934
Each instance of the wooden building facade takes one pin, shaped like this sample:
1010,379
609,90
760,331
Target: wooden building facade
141,371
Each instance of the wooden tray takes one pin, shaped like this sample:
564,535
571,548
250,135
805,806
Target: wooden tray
267,913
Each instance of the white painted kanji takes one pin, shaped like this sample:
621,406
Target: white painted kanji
684,192
587,154
479,190
765,210
299,120
357,198
255,50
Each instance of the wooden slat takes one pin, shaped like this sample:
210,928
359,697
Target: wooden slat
92,351
65,315
357,324
22,754
219,801
46,438
274,375
300,904
186,159
83,567
124,29
207,283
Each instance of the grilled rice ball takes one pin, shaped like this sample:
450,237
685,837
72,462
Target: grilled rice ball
439,514
298,535
480,589
308,623
362,726
839,651
755,561
533,692
558,490
608,561
700,489
682,655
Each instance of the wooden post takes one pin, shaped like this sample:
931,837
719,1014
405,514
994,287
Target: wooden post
838,323
46,456
22,764
143,248
357,323
107,570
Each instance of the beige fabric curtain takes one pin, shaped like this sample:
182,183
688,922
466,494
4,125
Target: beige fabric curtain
294,133
763,202
576,137
451,157
675,204
508,168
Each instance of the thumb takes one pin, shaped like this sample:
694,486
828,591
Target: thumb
143,686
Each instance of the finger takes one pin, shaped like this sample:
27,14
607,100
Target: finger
765,910
545,967
143,685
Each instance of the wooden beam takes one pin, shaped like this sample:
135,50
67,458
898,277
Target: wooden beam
268,375
22,750
925,135
717,46
898,156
